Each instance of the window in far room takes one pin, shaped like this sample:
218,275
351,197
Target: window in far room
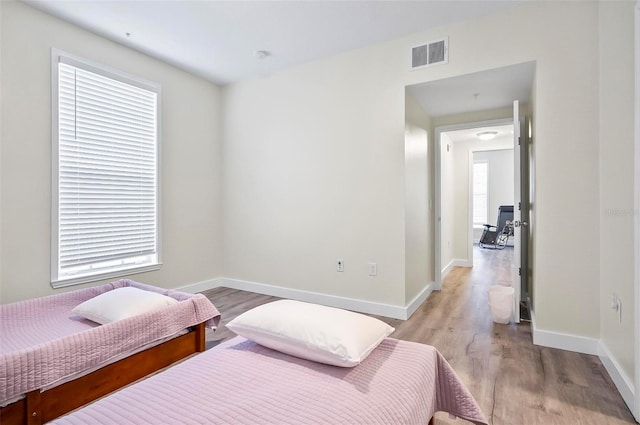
480,193
105,140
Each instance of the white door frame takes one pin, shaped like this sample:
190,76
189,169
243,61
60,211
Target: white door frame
636,215
518,202
438,189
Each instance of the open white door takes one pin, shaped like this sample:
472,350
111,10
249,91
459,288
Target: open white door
517,216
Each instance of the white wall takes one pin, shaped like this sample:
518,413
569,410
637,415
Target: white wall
616,133
419,247
314,161
566,286
447,196
190,174
314,169
500,182
500,178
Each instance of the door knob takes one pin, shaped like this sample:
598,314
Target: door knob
518,223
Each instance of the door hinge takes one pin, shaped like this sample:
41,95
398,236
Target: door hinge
519,140
519,206
519,271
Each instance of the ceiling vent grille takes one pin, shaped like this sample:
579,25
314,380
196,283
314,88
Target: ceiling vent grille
433,53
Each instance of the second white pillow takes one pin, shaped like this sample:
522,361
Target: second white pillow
313,332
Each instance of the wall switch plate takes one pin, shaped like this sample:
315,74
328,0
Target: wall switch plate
339,265
619,309
373,269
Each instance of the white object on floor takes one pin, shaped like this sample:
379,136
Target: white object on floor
501,303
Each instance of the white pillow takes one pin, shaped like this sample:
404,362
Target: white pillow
121,303
313,332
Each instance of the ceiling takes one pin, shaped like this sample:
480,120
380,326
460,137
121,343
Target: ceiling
218,40
471,134
495,88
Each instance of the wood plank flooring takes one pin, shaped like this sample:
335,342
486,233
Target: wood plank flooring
515,382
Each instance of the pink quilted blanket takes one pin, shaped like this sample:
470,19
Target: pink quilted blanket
240,382
43,342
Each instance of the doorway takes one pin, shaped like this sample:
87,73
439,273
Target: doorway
476,177
466,103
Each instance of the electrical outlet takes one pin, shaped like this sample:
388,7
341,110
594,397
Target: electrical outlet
339,265
616,305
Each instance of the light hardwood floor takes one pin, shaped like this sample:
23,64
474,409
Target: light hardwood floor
514,382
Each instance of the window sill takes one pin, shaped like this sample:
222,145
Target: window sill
61,283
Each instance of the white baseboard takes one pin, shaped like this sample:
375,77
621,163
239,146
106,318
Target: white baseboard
369,307
579,344
447,268
200,286
456,262
419,299
618,376
588,346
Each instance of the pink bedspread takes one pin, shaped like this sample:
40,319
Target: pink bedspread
240,382
43,342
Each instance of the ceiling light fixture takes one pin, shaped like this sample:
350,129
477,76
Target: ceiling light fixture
487,135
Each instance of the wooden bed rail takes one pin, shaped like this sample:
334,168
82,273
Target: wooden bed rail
40,407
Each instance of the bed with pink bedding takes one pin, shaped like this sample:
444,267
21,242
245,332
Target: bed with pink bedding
44,345
242,383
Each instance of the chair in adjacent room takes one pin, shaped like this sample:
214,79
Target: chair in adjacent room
496,237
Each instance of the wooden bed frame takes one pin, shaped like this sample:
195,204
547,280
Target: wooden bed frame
39,407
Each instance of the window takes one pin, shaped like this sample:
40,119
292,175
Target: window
105,219
480,193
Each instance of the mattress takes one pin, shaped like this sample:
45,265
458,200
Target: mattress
43,343
242,383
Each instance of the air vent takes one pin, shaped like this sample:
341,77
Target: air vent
433,53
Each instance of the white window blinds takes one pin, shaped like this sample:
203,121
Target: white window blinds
107,185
